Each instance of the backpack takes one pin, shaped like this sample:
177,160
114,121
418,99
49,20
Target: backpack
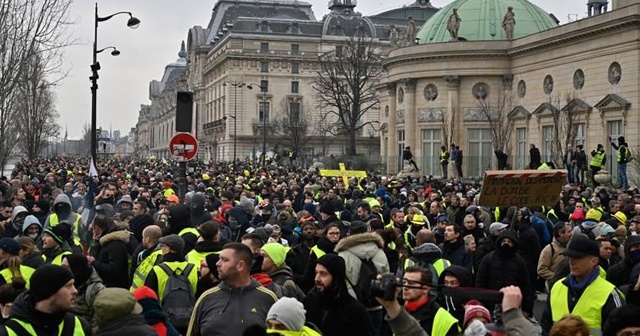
178,299
368,272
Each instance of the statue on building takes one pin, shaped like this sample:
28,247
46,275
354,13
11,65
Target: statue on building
411,32
393,36
453,25
509,23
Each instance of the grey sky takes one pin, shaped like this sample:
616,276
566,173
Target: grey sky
124,80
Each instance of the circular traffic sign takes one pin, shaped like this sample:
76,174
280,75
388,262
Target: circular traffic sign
183,146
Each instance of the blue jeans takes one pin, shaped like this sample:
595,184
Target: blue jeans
376,316
570,174
622,172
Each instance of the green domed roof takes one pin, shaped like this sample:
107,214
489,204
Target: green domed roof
482,20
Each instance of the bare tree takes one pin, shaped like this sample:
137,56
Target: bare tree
28,29
448,126
293,125
496,112
324,128
565,122
345,86
37,117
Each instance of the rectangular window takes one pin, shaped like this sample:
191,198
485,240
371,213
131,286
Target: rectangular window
400,149
264,46
480,152
295,68
263,112
294,113
581,138
547,143
338,51
295,49
615,130
295,87
264,86
522,151
431,142
264,66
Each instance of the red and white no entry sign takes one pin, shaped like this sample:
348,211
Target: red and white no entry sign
184,146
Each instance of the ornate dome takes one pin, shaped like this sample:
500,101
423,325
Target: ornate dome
482,20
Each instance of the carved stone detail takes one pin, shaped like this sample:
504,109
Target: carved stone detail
453,82
430,115
391,88
430,92
479,114
400,117
480,91
409,83
400,95
615,73
578,79
507,82
547,84
522,88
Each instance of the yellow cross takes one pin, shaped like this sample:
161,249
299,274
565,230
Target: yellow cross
343,172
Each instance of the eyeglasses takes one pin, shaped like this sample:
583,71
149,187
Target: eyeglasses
333,233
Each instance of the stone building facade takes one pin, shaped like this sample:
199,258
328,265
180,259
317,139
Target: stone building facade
446,91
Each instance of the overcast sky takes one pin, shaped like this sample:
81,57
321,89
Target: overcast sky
124,80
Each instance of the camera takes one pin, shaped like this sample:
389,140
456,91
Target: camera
385,287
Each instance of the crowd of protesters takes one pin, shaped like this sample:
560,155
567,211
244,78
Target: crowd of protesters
282,251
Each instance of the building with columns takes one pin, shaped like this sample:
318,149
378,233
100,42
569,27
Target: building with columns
482,85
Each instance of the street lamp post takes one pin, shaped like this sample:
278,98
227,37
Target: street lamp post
133,23
265,111
235,85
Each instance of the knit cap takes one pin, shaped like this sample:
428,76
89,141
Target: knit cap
47,280
288,311
114,303
310,208
276,253
474,309
60,233
10,245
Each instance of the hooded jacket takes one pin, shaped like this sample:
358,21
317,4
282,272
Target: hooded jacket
43,324
199,214
333,310
28,221
620,273
455,305
62,208
243,223
283,276
505,267
358,247
15,228
227,311
111,258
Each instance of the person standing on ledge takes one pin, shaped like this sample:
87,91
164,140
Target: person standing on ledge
624,157
407,156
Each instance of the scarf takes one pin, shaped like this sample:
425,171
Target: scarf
579,286
412,306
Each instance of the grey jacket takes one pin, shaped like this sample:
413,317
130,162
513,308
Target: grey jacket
405,325
229,311
516,324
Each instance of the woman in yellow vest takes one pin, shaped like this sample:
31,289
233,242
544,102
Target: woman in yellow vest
11,263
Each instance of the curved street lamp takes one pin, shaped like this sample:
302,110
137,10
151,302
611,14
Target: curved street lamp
132,23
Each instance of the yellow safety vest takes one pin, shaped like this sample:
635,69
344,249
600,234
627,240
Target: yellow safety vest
142,271
627,153
16,327
443,157
589,306
544,166
25,271
175,266
306,331
318,252
53,221
598,159
442,322
196,257
57,260
439,265
189,230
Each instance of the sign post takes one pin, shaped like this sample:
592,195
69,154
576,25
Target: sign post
522,188
343,172
183,147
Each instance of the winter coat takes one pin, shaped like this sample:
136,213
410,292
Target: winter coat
33,260
309,272
516,324
503,267
84,299
529,246
228,311
361,246
620,273
42,323
283,276
111,258
243,223
454,252
404,324
550,258
455,305
133,324
484,247
199,214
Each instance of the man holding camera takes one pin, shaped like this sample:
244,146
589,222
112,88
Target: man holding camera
435,320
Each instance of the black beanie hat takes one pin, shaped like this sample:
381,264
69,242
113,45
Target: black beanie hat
60,233
212,260
79,267
47,280
335,265
620,318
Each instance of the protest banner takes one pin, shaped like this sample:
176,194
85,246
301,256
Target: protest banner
522,188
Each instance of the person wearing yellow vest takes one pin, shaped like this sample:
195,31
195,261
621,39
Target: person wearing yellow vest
427,255
624,157
444,161
583,292
47,306
287,318
180,224
62,213
52,243
11,263
172,256
598,161
208,243
150,256
434,319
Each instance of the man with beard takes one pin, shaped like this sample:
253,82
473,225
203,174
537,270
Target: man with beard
453,246
302,249
62,212
326,245
222,310
551,256
329,305
46,308
505,267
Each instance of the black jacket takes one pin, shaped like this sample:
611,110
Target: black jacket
426,314
43,324
112,258
128,325
505,267
485,246
309,272
620,273
534,153
529,246
454,252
